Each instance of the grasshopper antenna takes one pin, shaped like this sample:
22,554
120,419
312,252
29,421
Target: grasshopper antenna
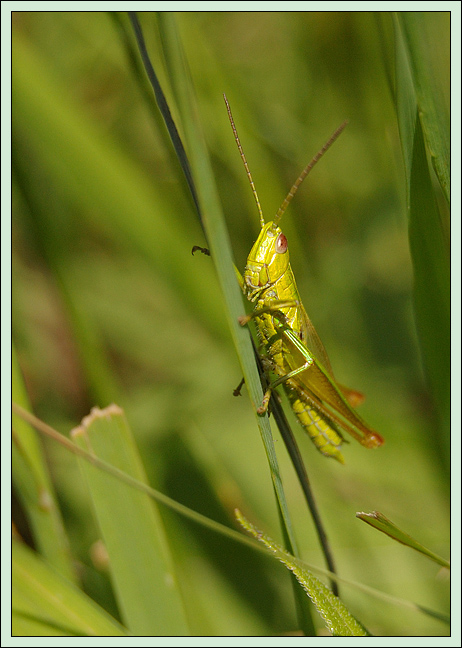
249,175
306,171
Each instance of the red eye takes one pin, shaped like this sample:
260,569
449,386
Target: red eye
281,244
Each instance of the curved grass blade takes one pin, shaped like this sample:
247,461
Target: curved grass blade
336,616
45,604
33,485
164,108
428,54
383,524
300,469
427,228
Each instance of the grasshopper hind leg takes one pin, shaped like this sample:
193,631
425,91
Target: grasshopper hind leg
322,432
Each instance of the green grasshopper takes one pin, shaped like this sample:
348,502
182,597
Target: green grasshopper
292,348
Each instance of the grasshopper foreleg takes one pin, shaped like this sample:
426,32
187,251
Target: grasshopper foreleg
282,379
237,391
198,248
273,308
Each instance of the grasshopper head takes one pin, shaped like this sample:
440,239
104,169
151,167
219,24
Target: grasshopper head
267,262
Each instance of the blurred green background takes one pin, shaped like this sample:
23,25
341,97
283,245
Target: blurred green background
109,305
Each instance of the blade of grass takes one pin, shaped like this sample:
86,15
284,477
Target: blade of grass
218,239
424,36
215,227
338,619
383,524
44,603
131,526
33,485
300,469
276,407
164,108
426,235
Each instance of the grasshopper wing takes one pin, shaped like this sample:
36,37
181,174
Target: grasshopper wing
312,340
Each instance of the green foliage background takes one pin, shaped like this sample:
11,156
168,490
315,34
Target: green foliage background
109,305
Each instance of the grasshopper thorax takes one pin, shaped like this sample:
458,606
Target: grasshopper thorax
267,262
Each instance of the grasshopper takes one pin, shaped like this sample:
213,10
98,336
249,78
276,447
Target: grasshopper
291,347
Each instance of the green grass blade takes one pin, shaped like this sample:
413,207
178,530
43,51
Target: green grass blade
383,524
431,285
163,107
337,618
218,239
45,604
427,47
33,485
140,562
216,230
427,230
276,407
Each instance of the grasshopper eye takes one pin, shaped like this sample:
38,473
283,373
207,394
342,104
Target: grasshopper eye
281,244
